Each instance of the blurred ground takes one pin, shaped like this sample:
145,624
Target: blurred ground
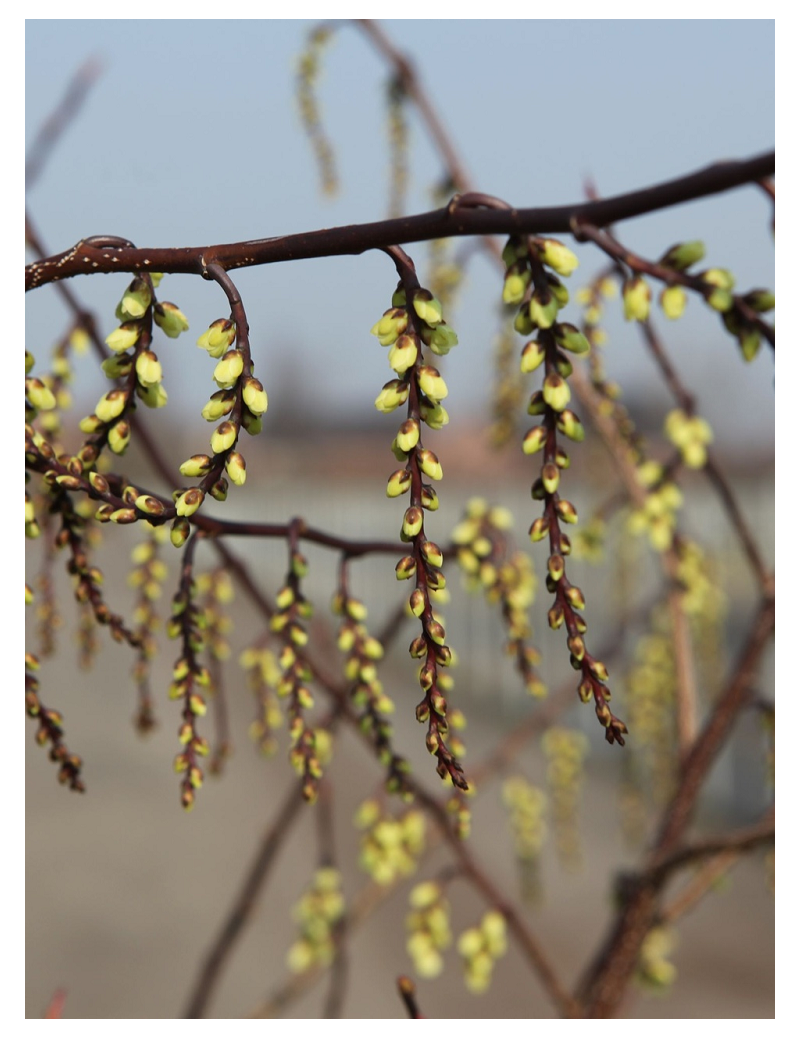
125,891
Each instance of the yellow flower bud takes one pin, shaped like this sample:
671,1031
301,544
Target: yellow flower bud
218,337
254,395
236,468
229,369
189,502
170,319
111,405
431,383
148,368
223,438
123,338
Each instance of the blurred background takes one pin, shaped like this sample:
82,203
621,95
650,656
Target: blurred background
191,135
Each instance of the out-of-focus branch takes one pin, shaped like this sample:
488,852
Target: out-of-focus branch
60,118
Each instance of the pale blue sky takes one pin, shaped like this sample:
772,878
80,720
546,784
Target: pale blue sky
191,136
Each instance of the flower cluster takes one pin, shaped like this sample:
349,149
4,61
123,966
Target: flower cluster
657,517
317,913
362,652
414,319
480,948
540,295
527,806
308,73
690,434
263,675
50,729
189,677
565,751
390,848
134,364
650,698
293,610
147,577
240,401
428,927
506,577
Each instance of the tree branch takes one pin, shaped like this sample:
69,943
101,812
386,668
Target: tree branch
104,254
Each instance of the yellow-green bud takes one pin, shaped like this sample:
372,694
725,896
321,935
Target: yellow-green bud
399,483
556,255
432,554
189,502
251,423
153,396
219,490
636,297
429,498
556,392
522,322
123,338
98,482
429,464
148,504
393,323
534,440
218,337
123,516
408,435
673,301
117,366
683,255
761,300
135,301
394,393
254,395
405,568
219,404
431,383
236,468
550,477
229,369
440,339
111,405
436,417
412,521
119,437
403,354
416,602
570,425
719,277
148,368
517,280
532,356
196,466
543,308
571,338
39,395
170,319
537,404
89,424
427,307
566,511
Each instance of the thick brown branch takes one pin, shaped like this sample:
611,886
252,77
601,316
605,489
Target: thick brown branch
96,256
